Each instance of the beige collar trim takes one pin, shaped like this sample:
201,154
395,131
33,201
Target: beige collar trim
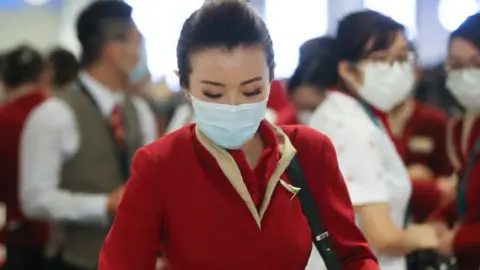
229,167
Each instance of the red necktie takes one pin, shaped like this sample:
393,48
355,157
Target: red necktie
116,124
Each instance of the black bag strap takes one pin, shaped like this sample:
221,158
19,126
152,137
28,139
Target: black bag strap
310,210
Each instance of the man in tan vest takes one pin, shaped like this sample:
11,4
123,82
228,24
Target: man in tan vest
76,147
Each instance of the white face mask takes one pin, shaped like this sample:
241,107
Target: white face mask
386,85
464,84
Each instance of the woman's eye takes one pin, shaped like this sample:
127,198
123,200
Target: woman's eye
211,95
252,93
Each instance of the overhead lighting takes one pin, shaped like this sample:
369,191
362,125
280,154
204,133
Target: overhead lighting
37,2
452,13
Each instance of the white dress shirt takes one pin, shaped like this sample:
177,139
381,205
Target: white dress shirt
368,160
49,139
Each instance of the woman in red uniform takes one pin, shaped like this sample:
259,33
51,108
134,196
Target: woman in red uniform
419,132
233,207
24,72
459,221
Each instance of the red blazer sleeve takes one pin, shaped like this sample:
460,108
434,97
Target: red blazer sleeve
426,197
446,213
334,205
467,241
133,240
437,121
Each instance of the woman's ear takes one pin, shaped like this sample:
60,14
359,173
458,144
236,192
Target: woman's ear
345,70
177,73
349,73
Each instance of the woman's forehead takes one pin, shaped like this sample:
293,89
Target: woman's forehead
462,48
399,43
229,66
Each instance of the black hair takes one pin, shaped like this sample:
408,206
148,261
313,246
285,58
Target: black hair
319,68
23,65
313,47
65,66
225,24
2,65
469,30
98,24
356,30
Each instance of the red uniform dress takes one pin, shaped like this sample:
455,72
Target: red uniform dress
419,132
12,118
209,210
461,136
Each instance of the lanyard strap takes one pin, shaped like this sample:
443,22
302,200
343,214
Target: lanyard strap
462,186
372,115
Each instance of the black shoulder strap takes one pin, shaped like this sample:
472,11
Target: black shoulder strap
310,210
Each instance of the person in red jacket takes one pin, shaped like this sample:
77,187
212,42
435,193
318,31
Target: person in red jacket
419,132
458,222
23,73
234,207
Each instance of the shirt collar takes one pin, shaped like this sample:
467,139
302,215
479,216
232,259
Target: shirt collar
104,97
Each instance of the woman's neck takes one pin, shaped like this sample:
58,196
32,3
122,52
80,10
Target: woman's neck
253,150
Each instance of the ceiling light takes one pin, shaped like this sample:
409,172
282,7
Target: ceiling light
37,2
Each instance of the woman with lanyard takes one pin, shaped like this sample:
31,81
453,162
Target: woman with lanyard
376,73
238,204
458,222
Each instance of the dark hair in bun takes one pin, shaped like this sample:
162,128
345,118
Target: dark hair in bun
317,66
225,24
22,65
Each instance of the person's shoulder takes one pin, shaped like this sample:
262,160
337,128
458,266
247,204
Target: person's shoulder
52,112
304,137
172,144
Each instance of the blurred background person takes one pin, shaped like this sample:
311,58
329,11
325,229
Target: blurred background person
76,148
458,222
315,74
375,74
64,66
419,132
23,79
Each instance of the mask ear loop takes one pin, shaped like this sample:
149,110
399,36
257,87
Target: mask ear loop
351,79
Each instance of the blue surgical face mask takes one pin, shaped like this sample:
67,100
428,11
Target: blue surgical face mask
228,126
141,71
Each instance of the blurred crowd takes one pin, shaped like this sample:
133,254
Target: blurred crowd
69,127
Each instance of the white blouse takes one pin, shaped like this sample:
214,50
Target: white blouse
373,170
